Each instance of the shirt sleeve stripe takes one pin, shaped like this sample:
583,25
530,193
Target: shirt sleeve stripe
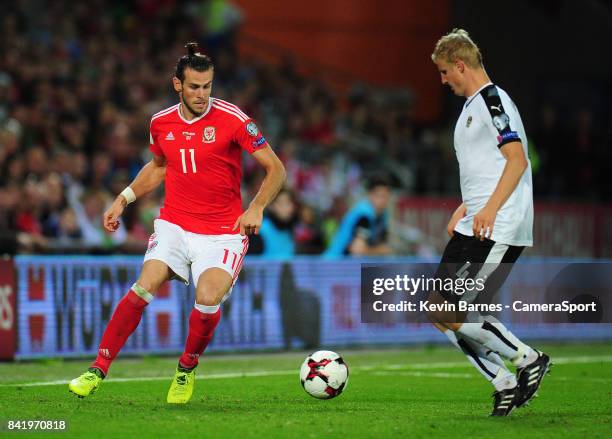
164,112
219,107
499,118
231,107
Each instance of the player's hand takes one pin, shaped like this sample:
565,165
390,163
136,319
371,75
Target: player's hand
484,222
250,221
110,220
457,215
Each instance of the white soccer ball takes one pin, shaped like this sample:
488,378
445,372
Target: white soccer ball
324,374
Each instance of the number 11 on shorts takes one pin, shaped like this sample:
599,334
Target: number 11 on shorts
226,255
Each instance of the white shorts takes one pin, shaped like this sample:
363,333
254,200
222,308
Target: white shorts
180,250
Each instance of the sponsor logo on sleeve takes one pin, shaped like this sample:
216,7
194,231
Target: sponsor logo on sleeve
259,142
510,135
252,129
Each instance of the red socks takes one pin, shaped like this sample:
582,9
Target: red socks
124,321
126,318
201,329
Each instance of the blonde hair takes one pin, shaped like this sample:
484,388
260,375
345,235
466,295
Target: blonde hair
458,45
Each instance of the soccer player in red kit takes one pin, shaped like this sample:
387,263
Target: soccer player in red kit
197,146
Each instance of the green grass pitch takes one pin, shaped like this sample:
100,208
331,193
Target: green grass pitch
408,393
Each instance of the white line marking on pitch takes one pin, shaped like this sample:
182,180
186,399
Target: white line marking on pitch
423,374
377,368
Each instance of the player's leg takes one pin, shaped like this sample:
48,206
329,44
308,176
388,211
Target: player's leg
532,365
458,252
469,257
488,363
530,372
212,287
128,313
214,269
492,334
165,258
496,337
124,321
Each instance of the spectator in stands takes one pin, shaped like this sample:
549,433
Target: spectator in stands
81,104
88,209
364,229
308,234
275,239
69,231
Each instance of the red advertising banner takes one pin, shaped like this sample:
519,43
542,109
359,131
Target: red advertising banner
8,312
559,229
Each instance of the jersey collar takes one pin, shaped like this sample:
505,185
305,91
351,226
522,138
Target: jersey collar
195,119
469,100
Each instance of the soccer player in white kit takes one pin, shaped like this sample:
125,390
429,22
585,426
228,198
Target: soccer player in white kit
493,224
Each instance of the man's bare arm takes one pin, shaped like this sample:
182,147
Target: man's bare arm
148,179
456,216
250,221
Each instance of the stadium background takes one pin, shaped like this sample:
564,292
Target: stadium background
340,96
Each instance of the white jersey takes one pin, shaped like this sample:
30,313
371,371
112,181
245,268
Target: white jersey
488,121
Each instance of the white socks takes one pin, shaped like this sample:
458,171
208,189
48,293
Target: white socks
494,335
488,363
504,380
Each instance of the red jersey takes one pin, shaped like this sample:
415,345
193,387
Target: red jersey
204,165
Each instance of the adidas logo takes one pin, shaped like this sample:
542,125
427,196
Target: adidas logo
105,353
170,136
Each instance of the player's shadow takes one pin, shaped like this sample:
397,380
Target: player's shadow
301,312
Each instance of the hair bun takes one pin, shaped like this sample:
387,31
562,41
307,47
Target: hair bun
192,48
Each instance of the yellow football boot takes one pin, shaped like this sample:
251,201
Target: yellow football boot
181,388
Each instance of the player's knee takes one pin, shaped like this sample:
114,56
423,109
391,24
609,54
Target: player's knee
208,300
210,296
149,282
212,287
146,286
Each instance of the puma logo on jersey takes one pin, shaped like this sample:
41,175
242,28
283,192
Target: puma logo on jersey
170,136
498,108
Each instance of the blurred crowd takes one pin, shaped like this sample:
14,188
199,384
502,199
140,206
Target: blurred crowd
78,88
